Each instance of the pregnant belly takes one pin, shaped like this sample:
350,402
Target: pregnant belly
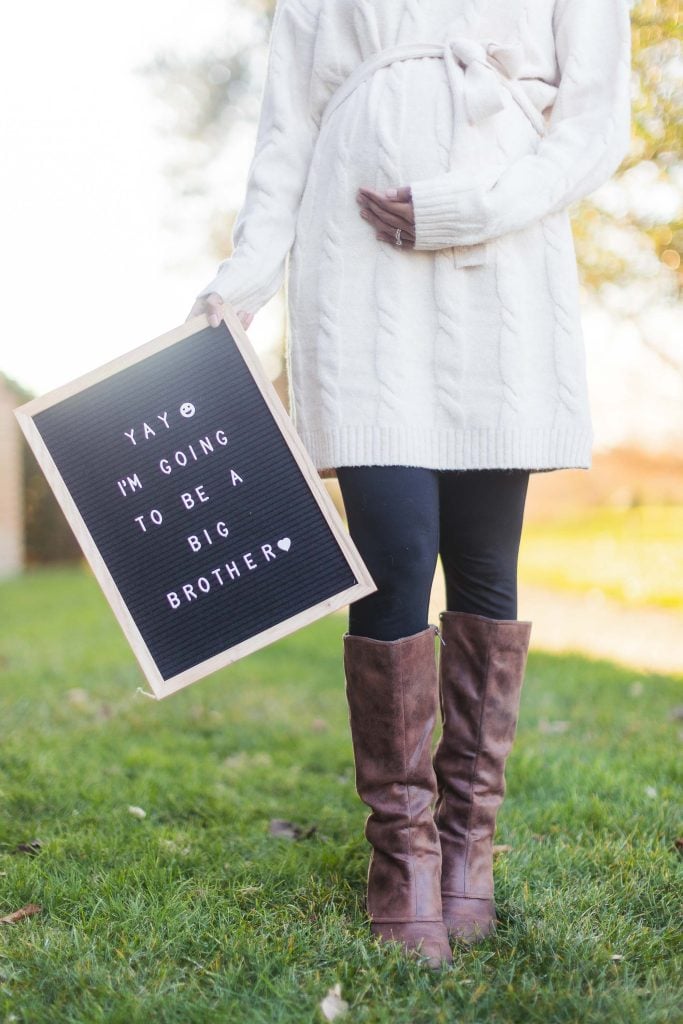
399,126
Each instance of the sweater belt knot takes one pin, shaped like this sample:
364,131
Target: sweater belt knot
473,75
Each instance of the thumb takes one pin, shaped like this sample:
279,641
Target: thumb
213,308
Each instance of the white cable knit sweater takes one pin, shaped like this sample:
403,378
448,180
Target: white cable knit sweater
467,351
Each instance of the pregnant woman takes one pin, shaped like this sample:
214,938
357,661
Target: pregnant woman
413,169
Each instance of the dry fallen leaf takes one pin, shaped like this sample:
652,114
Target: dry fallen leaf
333,1005
137,812
616,957
284,829
175,847
502,848
241,759
78,698
651,792
553,727
288,830
33,846
17,915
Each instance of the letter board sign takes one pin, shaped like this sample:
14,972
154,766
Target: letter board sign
194,500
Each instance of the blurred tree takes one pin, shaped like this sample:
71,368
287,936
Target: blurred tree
624,246
47,534
208,95
629,238
48,538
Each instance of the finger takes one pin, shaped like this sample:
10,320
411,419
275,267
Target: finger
376,212
399,207
198,309
210,305
403,194
400,214
372,196
214,308
373,220
393,206
381,224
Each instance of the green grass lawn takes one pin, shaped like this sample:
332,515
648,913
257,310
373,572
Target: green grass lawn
196,914
634,555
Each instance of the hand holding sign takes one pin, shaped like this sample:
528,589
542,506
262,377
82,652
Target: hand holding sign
211,306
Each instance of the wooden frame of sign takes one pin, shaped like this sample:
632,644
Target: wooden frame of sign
194,500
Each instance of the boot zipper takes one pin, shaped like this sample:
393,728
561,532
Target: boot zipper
438,633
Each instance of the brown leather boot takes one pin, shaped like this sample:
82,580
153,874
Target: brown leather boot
392,692
482,668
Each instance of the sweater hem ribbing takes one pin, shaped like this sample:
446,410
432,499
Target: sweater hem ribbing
476,448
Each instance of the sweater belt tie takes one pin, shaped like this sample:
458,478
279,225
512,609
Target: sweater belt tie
480,83
477,72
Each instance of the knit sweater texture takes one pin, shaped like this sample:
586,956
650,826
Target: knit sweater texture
467,351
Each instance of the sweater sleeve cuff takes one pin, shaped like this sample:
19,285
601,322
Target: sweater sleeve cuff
450,210
240,293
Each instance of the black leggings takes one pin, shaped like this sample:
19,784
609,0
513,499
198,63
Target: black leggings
400,518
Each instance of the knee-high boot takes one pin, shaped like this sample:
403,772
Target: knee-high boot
392,693
481,671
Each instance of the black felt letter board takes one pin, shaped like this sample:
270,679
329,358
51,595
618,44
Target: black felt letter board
191,493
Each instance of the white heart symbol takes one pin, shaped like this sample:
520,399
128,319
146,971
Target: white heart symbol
284,544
